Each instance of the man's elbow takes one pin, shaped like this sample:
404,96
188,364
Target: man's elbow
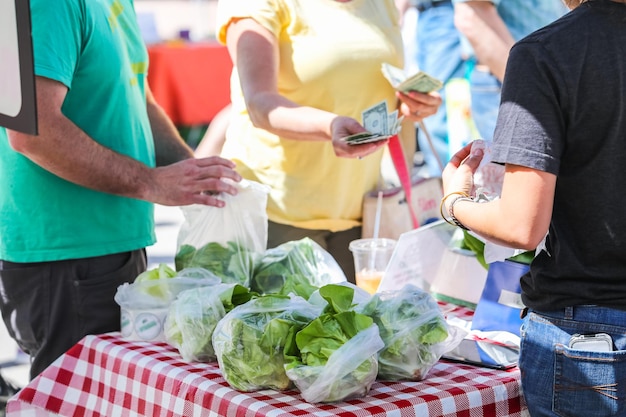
20,142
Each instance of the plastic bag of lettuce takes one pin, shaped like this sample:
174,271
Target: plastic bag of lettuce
334,357
145,302
300,267
413,329
193,316
225,240
250,340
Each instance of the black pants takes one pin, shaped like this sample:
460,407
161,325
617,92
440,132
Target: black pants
49,306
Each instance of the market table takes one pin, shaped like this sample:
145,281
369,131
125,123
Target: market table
107,376
190,80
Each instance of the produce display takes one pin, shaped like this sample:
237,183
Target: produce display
286,318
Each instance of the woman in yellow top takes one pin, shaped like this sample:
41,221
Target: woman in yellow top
304,70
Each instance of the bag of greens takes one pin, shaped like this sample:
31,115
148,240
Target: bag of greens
335,356
225,240
299,267
413,329
249,341
192,318
145,302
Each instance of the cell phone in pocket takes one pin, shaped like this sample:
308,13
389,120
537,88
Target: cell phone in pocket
599,342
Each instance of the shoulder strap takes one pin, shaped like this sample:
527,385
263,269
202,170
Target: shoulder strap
399,162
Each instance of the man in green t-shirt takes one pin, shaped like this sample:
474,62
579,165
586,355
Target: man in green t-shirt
76,203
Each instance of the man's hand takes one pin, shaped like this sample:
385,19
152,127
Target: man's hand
193,181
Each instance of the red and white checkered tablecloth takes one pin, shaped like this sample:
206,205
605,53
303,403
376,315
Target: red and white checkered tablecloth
108,376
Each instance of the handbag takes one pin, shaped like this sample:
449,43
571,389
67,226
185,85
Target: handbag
403,208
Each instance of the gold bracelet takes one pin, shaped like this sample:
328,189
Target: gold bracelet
450,219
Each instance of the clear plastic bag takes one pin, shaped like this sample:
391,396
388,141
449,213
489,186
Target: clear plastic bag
414,331
298,267
349,373
335,356
193,316
226,240
249,341
144,305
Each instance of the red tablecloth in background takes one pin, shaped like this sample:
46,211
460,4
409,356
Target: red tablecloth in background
190,80
109,377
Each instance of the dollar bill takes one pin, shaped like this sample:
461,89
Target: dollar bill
364,137
375,118
421,82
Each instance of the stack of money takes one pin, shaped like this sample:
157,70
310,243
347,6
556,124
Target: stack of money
380,125
420,82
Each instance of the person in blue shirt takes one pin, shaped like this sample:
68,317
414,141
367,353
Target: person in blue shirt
489,28
470,39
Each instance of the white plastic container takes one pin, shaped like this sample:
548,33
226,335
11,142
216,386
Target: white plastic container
460,278
143,324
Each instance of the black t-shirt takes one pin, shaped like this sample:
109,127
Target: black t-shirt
563,111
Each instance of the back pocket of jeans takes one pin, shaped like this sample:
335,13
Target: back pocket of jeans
591,381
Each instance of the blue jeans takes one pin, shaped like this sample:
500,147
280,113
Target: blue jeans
485,91
559,381
439,54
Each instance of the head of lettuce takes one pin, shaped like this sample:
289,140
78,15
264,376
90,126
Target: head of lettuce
334,357
250,340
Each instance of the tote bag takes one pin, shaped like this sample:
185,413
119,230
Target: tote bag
403,208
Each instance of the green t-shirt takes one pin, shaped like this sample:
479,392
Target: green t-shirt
94,47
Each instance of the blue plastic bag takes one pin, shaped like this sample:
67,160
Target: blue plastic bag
500,303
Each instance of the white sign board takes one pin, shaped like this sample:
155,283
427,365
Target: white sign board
17,84
417,256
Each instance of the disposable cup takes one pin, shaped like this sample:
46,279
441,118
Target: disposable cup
371,257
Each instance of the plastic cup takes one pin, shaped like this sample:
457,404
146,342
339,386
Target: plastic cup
371,257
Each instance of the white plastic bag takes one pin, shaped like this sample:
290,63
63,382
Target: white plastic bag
144,304
226,240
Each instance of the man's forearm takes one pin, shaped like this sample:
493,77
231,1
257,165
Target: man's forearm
169,146
82,160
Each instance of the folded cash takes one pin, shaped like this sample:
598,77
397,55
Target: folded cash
421,82
364,137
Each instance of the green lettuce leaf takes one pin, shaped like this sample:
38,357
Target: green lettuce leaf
193,316
231,263
410,323
249,341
